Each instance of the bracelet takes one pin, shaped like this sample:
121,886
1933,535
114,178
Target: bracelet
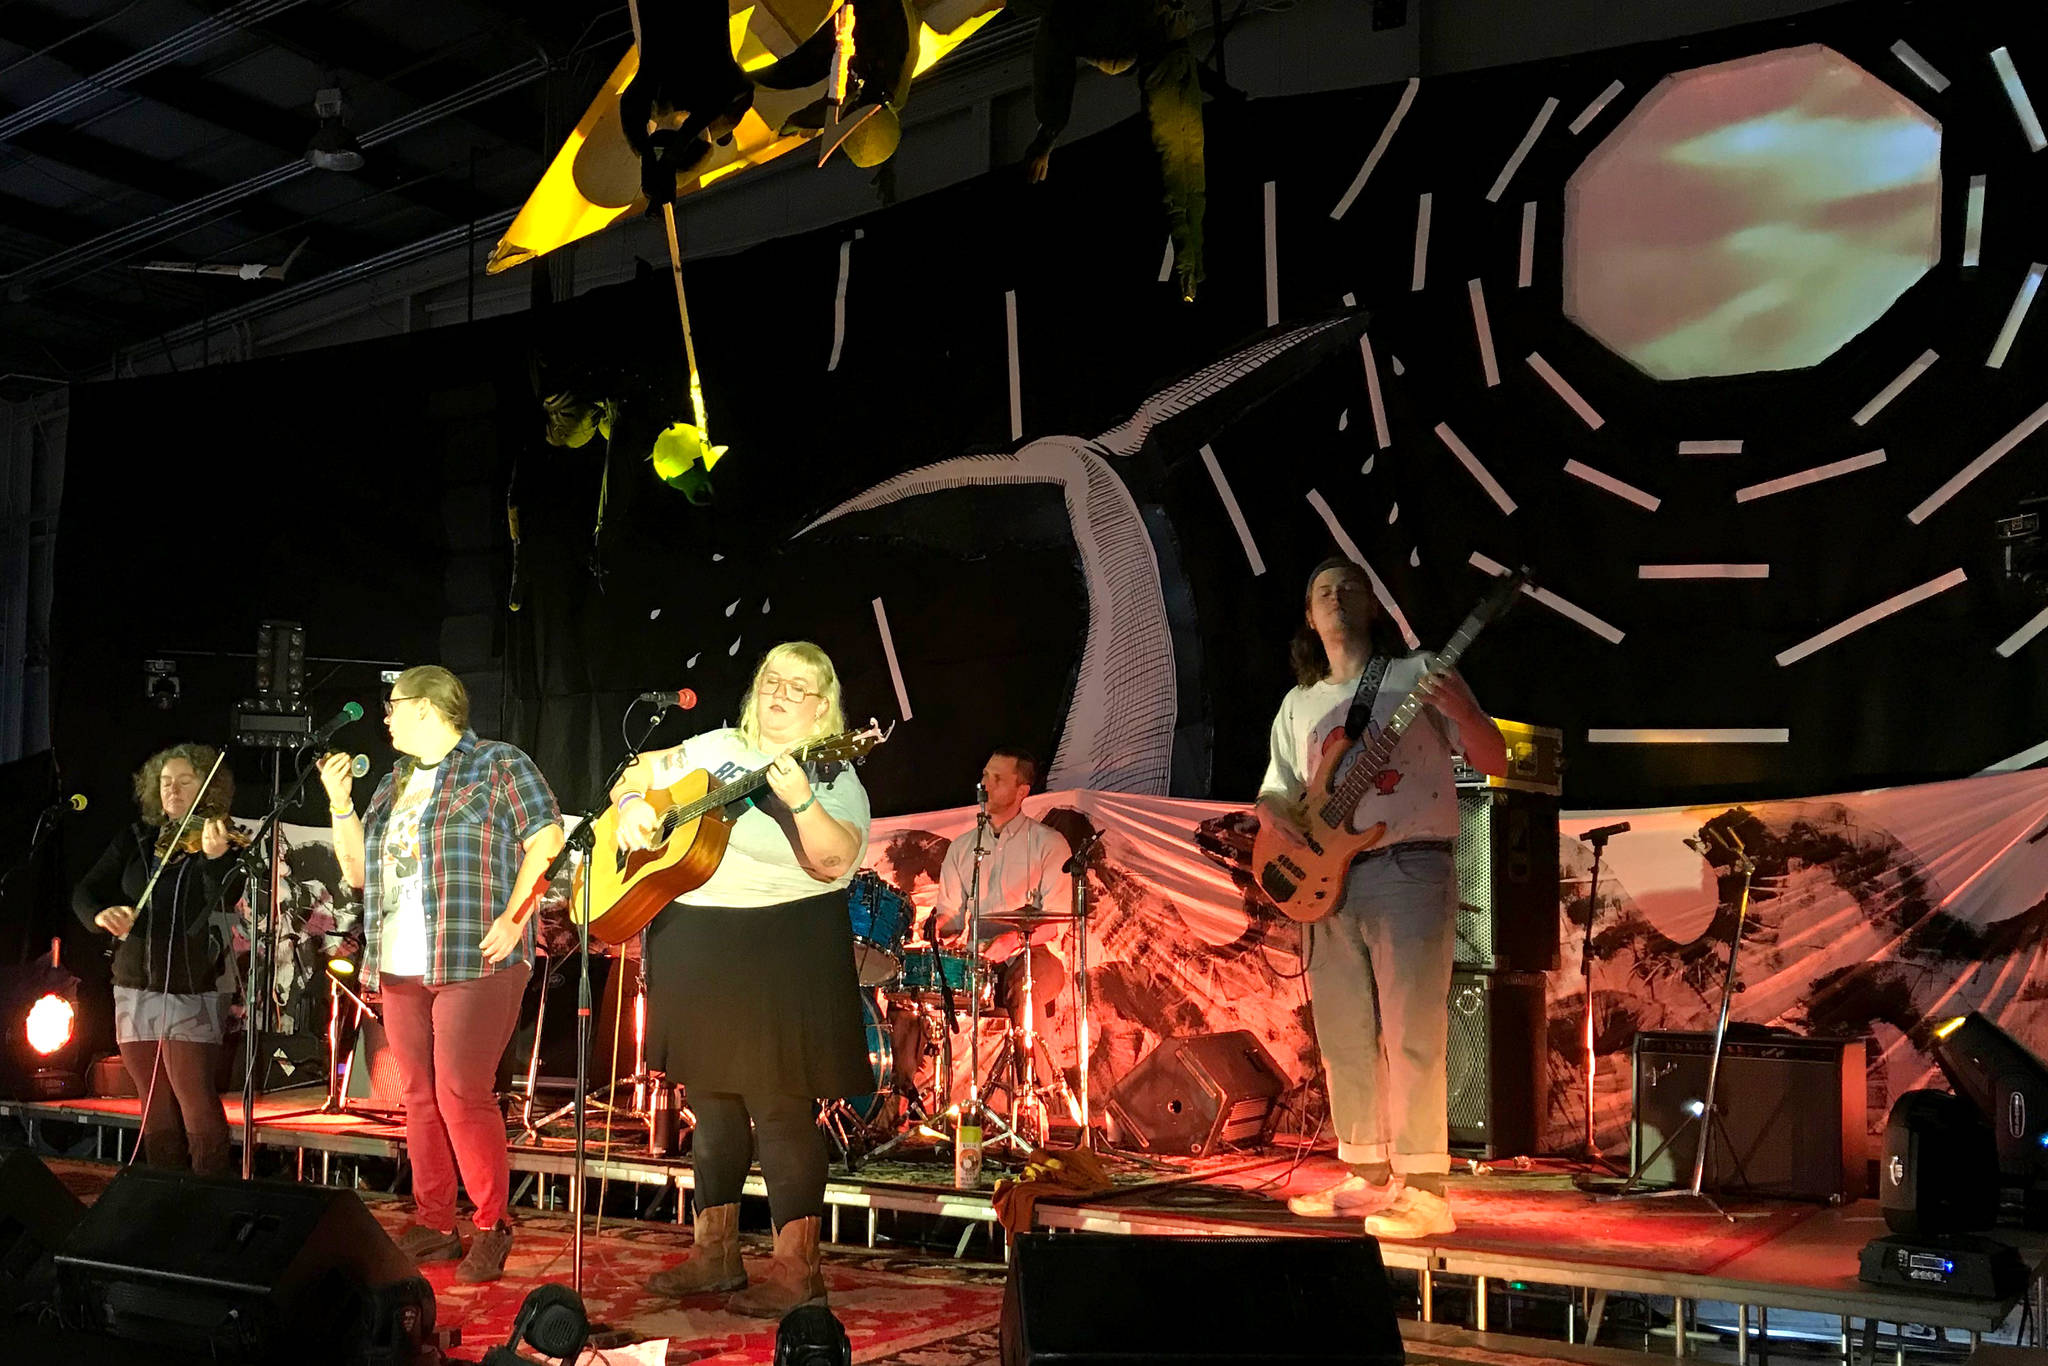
628,797
342,813
799,810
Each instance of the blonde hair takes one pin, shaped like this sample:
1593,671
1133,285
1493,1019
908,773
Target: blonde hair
830,722
441,688
220,793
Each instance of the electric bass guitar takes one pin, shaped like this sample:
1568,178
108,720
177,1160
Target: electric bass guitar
629,887
1306,881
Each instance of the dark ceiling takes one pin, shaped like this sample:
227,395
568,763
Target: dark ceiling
136,131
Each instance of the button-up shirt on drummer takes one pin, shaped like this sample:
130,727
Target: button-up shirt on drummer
1023,864
488,799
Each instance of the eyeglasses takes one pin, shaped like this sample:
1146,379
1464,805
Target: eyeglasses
795,689
390,703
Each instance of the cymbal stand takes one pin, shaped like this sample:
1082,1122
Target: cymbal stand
639,1107
974,1108
1706,1112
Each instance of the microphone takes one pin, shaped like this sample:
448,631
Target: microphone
682,698
75,802
1605,833
350,713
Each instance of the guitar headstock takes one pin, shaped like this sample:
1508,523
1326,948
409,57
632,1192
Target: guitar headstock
846,747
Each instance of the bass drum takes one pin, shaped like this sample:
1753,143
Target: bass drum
881,1058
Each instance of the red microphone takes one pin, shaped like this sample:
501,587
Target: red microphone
684,698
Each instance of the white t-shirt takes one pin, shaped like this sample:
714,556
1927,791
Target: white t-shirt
760,866
1024,858
1421,801
403,937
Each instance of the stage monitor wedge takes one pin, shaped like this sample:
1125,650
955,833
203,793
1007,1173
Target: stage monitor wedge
244,1271
1093,1299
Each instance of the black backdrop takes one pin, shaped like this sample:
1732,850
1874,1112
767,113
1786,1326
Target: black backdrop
331,515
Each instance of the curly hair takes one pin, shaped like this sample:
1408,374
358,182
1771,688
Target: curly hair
148,779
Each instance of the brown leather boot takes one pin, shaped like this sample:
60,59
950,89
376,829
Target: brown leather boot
713,1263
793,1278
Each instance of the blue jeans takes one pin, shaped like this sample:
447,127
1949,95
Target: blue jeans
1380,974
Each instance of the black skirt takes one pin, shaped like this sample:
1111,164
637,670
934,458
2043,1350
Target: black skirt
757,1000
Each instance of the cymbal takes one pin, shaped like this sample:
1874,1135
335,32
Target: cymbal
1025,916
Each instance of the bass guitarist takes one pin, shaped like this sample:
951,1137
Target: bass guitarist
1380,967
753,1002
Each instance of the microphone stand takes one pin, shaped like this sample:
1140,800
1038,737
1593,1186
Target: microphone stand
266,845
1706,1112
580,840
1590,1152
974,971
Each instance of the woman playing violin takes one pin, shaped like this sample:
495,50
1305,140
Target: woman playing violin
169,1011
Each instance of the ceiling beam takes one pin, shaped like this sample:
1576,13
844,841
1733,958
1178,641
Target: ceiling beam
280,131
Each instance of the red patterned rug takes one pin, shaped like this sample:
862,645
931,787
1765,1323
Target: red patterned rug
889,1304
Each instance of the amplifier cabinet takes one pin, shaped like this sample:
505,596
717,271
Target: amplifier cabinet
1792,1109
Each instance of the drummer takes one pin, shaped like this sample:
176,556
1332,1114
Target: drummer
1023,869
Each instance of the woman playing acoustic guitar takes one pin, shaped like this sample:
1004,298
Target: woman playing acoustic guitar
752,997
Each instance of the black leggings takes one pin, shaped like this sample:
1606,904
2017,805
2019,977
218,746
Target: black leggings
793,1153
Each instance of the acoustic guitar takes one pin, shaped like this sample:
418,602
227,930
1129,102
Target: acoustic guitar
1306,882
629,887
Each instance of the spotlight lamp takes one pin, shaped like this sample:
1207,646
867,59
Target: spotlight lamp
2009,1086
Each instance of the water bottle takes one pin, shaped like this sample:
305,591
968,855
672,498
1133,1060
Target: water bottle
967,1152
661,1118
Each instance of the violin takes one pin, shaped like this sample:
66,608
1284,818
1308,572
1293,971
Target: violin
210,806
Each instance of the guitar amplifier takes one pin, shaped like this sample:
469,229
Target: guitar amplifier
1494,1064
1792,1115
1507,872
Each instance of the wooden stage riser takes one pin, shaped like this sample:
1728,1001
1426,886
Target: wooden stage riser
1434,1267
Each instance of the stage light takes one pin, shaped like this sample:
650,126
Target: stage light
810,1335
341,967
552,1321
2009,1086
50,1023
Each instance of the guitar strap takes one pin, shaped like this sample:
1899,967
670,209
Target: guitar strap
1362,700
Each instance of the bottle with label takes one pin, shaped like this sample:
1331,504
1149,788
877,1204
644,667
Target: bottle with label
967,1151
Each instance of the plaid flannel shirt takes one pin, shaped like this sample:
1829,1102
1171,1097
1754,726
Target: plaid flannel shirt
488,799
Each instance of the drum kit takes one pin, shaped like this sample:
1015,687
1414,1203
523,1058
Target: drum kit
915,996
942,991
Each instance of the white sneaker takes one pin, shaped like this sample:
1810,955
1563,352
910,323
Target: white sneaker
1412,1214
1350,1198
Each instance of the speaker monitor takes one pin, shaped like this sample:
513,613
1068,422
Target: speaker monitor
1792,1114
1507,879
1082,1298
36,1215
1198,1094
1495,1061
246,1272
1939,1170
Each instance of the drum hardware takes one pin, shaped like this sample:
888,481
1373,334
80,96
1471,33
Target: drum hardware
640,1106
849,1122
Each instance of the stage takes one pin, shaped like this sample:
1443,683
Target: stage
1531,1250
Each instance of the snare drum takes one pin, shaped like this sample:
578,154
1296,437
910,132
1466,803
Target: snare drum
925,971
881,918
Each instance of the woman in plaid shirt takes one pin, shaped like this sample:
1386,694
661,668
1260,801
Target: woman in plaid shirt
462,828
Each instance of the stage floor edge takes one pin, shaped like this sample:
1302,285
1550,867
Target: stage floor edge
1809,1267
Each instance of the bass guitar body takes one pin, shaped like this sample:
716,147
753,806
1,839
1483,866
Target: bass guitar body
630,887
1305,881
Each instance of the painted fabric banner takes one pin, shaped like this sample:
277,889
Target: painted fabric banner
1878,913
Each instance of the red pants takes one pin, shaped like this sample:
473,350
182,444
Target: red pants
447,1040
184,1125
